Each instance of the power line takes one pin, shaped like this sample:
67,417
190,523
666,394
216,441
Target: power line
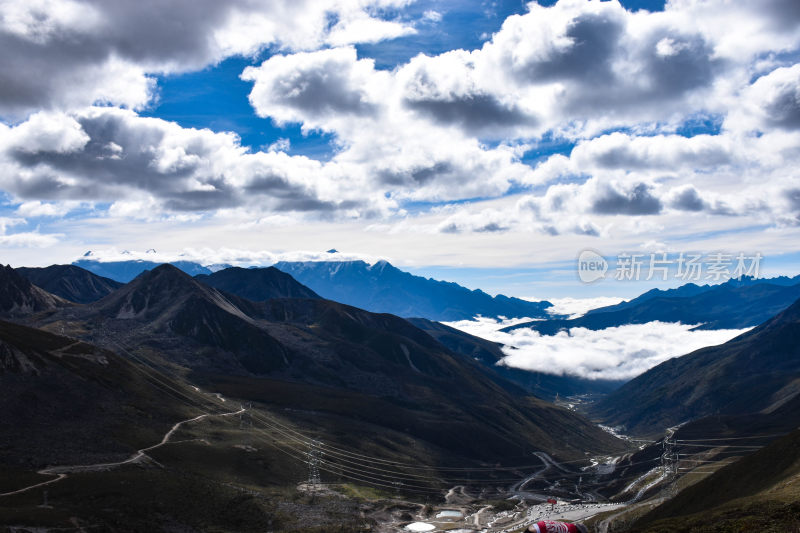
714,446
184,398
669,466
706,460
380,475
380,470
347,472
733,438
340,454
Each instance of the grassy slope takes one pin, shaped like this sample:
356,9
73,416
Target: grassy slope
80,404
349,359
760,492
188,486
65,400
747,374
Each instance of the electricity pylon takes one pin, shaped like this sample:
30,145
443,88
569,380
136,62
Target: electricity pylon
313,466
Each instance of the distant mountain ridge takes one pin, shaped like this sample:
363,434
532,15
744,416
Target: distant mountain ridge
731,305
383,288
692,289
380,288
70,282
125,271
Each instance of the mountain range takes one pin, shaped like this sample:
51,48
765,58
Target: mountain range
384,288
125,271
70,282
732,305
90,384
19,297
757,372
380,288
401,377
102,369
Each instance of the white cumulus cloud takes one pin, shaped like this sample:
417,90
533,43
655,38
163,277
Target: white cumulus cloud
62,54
618,88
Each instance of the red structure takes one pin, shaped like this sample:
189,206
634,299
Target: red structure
548,526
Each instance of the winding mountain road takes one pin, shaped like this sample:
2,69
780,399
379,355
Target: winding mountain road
61,471
517,489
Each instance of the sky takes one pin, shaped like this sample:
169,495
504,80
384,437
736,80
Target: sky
487,143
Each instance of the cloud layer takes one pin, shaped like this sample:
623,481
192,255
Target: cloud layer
689,117
577,307
221,256
146,165
619,353
71,53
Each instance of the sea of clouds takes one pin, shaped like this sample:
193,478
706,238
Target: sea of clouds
618,353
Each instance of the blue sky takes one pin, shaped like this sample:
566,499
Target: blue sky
483,142
216,97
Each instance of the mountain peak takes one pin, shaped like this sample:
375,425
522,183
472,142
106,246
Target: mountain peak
164,273
19,297
166,299
151,293
381,265
168,269
70,282
257,284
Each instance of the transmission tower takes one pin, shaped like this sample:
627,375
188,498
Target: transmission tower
669,466
313,465
45,504
245,420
